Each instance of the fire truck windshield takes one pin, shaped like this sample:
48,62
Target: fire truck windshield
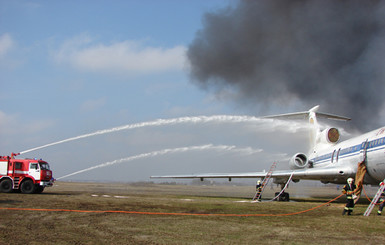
44,166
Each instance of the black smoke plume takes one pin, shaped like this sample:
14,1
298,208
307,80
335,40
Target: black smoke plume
280,52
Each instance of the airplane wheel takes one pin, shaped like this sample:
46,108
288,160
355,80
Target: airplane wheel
284,197
277,199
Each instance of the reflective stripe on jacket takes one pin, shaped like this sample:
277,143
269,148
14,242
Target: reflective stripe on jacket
349,188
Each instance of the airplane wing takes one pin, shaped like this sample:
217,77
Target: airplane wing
331,174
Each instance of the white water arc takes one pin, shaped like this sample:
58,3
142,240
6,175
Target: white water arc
158,122
247,151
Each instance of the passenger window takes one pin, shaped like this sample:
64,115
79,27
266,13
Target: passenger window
33,166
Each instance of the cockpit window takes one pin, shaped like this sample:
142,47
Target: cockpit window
44,166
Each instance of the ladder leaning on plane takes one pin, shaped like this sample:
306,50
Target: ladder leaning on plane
375,199
265,181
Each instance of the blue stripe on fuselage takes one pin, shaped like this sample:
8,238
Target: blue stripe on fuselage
374,145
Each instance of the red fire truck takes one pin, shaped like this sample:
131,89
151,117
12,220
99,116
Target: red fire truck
25,175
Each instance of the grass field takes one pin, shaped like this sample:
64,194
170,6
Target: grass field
324,225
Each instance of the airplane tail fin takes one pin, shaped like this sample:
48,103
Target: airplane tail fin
312,113
311,116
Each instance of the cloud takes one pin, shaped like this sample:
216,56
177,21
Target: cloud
6,44
119,57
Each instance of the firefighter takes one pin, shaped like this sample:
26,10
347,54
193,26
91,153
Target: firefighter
258,188
349,191
382,203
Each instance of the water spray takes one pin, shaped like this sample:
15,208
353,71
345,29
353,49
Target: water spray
158,122
246,151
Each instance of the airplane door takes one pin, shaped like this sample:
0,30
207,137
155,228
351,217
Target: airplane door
338,154
364,147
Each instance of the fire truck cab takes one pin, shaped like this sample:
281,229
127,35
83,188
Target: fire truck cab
25,175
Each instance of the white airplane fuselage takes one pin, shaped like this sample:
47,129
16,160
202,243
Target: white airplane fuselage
349,153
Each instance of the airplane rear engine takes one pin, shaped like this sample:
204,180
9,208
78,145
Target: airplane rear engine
299,160
330,136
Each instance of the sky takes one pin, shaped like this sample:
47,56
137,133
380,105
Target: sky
71,68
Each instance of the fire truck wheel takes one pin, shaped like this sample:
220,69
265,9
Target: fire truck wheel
6,186
28,187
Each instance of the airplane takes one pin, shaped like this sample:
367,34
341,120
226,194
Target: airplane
328,160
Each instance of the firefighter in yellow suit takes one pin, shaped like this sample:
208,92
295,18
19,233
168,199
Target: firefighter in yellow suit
258,188
348,190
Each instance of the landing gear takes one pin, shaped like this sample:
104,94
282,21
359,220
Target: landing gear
284,197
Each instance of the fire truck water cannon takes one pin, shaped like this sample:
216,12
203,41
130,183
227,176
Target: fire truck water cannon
13,155
25,175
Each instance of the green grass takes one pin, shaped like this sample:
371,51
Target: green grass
325,225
